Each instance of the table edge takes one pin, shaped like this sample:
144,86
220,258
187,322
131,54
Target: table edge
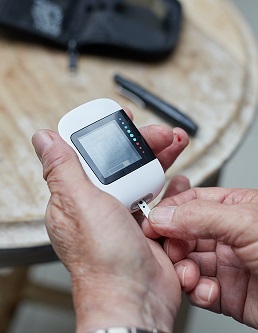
24,256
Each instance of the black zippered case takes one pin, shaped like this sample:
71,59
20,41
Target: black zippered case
146,29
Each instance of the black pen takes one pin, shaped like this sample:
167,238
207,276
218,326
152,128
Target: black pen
155,103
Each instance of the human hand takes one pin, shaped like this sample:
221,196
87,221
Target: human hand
118,276
213,242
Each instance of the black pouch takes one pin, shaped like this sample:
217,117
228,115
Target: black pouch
144,29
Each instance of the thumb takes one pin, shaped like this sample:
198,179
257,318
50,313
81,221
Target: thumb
61,167
198,219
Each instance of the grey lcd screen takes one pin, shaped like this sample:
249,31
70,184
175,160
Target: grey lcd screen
112,147
109,148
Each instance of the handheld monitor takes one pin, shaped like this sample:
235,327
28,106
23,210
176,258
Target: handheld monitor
112,152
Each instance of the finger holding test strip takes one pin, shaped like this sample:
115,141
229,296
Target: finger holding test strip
143,97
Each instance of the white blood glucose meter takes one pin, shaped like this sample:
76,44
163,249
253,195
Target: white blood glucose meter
112,152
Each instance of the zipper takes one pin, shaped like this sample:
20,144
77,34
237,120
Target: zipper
72,48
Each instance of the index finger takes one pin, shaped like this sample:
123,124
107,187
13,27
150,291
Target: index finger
166,144
213,194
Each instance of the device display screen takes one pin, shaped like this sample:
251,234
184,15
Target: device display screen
112,147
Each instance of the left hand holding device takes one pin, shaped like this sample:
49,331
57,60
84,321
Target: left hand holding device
119,277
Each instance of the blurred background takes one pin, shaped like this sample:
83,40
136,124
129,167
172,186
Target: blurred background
240,171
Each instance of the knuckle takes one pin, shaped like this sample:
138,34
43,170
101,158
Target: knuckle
249,216
62,219
181,184
60,208
186,219
247,230
54,161
192,209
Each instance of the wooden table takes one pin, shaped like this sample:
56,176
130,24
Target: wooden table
212,76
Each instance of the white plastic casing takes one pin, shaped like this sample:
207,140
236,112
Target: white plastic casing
143,183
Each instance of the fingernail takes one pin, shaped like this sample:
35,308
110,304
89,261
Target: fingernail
204,292
41,140
181,270
166,246
161,215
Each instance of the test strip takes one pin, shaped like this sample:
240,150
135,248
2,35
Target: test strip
144,207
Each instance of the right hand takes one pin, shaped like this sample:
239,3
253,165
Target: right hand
213,242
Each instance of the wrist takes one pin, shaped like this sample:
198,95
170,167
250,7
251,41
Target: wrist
125,330
120,303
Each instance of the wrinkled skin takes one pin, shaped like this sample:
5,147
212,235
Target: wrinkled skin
213,242
119,276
